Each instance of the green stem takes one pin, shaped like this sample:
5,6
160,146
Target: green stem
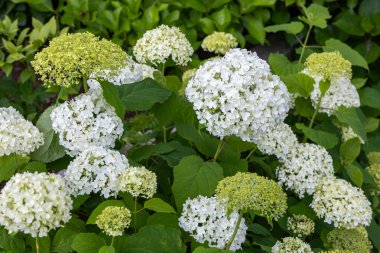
113,238
37,245
305,42
163,69
237,225
313,117
218,150
165,138
135,214
85,84
250,154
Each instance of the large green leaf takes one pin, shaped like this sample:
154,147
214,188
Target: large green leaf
354,118
63,240
292,27
299,83
349,150
323,138
370,97
193,177
159,205
98,210
87,243
9,165
157,239
11,243
355,174
316,15
281,66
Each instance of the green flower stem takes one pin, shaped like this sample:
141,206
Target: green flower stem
113,238
250,154
304,45
37,245
85,86
135,214
237,225
313,117
165,137
218,150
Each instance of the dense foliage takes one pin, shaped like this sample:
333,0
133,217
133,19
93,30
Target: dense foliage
134,126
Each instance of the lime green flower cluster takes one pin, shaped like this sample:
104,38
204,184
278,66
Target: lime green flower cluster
337,251
219,42
70,58
374,171
300,225
355,240
249,191
113,220
328,65
373,158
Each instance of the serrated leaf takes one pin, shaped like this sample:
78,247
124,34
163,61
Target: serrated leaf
316,15
158,205
9,165
353,117
87,243
280,65
299,83
294,27
63,240
98,210
355,174
323,138
370,97
349,150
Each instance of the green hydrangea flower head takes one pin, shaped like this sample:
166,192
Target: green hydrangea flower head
328,65
355,240
337,251
300,225
70,58
219,42
113,220
374,171
249,191
373,158
291,245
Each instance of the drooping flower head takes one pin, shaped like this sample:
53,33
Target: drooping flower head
17,135
96,170
300,225
34,203
341,204
355,240
157,45
207,220
70,58
306,164
87,120
219,42
238,95
249,191
139,182
113,220
291,245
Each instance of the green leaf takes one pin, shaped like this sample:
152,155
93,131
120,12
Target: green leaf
166,219
359,82
11,243
355,174
370,97
201,249
9,165
35,167
294,27
354,118
373,233
349,23
157,239
324,87
63,240
98,210
87,243
158,205
316,15
255,28
179,151
347,52
299,83
111,95
107,249
349,150
222,18
280,65
193,177
325,139
147,151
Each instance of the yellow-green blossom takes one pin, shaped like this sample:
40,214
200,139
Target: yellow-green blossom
374,171
300,225
373,158
139,182
355,239
219,42
113,220
328,65
249,191
337,251
69,58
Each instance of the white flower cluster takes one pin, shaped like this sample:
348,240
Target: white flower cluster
96,170
277,140
207,220
34,203
348,134
157,45
17,135
306,164
139,182
87,120
238,95
300,225
342,204
291,245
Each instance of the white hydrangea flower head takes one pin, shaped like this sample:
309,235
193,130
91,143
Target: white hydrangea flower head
87,120
341,204
348,134
277,140
219,42
300,225
17,135
96,170
291,245
157,45
34,203
207,220
139,182
238,95
304,167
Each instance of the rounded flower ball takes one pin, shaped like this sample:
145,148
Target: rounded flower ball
157,45
291,245
219,42
96,170
34,203
249,191
306,164
374,171
300,225
17,135
139,182
87,120
70,58
355,240
341,204
238,95
113,220
207,220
